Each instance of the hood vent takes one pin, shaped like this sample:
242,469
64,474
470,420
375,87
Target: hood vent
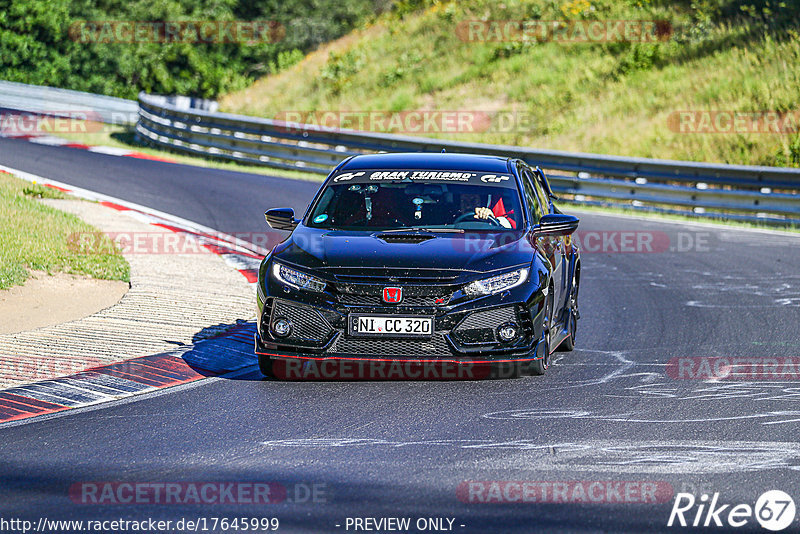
405,238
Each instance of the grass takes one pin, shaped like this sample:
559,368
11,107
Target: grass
34,236
611,98
90,133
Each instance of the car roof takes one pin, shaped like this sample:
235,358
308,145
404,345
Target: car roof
428,161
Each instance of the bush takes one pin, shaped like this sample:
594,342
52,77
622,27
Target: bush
38,47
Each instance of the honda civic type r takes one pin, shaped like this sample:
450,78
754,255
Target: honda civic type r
426,258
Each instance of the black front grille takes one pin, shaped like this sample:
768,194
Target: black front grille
476,337
434,347
371,294
350,299
308,326
481,326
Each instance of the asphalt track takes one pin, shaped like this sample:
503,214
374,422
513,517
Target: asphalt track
609,411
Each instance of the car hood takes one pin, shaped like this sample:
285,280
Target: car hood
475,252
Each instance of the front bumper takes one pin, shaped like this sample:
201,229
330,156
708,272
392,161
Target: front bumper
465,334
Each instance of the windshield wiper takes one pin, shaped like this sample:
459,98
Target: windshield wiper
429,230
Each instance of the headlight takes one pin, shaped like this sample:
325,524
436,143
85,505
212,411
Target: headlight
297,279
498,283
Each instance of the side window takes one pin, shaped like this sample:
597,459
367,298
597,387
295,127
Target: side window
543,197
528,181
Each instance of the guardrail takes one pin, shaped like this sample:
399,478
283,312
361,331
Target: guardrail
769,194
42,100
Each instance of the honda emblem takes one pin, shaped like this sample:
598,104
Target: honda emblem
392,295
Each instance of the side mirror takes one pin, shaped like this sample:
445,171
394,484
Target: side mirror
281,219
556,224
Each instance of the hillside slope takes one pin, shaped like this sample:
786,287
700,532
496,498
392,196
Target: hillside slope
718,61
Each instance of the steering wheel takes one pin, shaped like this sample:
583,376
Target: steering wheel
471,215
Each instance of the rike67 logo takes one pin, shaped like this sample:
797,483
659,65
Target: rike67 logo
774,510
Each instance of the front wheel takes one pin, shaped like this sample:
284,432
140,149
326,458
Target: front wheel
538,367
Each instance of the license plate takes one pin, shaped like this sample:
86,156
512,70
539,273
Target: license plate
390,326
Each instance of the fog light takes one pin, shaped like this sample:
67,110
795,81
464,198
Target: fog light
282,327
507,332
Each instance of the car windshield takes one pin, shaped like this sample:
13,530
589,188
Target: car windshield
417,199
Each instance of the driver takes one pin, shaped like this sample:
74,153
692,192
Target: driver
499,212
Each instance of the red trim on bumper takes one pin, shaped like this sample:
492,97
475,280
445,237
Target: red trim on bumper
358,359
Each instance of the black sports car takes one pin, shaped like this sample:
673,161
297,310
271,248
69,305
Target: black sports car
426,258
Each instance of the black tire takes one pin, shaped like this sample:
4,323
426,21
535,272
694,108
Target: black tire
539,367
265,365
